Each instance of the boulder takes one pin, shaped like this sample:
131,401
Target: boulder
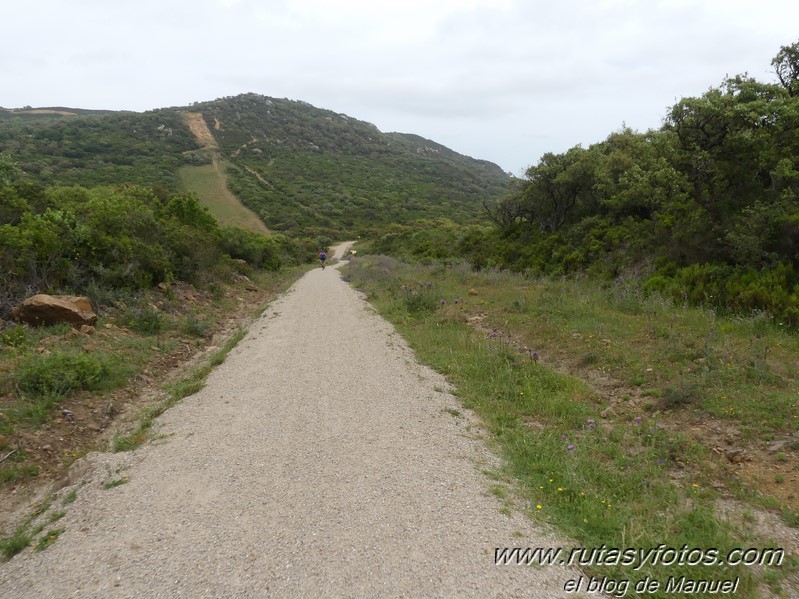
45,309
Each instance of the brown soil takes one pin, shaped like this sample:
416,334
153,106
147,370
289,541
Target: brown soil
200,129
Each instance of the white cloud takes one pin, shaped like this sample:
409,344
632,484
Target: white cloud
504,80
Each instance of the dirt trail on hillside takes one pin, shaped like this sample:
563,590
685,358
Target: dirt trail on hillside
199,127
247,218
319,461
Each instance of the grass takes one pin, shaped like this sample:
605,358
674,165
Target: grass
209,182
49,538
631,481
116,482
30,528
18,541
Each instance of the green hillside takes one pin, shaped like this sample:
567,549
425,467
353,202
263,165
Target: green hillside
301,169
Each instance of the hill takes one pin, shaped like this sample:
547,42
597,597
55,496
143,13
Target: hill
301,169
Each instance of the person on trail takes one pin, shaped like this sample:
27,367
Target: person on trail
322,258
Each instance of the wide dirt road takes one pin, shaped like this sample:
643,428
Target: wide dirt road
319,461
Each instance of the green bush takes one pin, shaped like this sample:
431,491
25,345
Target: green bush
259,251
143,318
61,373
420,301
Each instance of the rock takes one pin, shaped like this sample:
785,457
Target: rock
45,309
472,291
87,329
73,475
735,455
608,412
778,446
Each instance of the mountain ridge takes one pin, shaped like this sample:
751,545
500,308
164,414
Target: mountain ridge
300,168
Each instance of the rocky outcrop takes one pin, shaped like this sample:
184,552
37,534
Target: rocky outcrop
45,309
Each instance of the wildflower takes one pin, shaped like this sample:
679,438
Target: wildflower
538,506
560,489
442,302
638,420
562,438
590,421
570,446
661,461
534,356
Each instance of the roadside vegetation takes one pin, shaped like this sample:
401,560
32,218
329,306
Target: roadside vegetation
607,403
163,278
703,211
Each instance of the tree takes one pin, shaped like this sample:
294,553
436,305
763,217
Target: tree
786,66
9,169
558,187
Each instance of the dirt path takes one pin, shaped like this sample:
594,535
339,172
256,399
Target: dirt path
319,461
197,125
214,194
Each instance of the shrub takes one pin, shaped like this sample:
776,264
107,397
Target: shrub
681,394
60,373
143,318
421,301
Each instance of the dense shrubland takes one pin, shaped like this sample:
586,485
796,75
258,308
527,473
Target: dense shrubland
304,169
704,209
99,148
123,237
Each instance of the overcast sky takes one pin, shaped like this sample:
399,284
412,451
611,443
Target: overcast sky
502,80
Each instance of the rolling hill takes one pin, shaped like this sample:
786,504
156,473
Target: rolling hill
301,169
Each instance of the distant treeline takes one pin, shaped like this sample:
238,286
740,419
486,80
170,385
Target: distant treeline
704,209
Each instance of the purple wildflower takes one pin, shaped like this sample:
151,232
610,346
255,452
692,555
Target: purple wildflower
570,447
638,420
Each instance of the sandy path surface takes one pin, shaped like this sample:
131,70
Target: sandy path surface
319,461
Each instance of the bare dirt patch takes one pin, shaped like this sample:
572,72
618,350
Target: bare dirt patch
45,111
200,129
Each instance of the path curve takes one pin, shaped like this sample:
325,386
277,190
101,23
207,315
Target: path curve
319,461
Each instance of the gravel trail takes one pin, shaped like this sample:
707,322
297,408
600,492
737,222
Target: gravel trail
319,461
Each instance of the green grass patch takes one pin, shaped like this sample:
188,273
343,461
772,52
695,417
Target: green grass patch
117,482
15,543
49,538
209,182
60,373
616,483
